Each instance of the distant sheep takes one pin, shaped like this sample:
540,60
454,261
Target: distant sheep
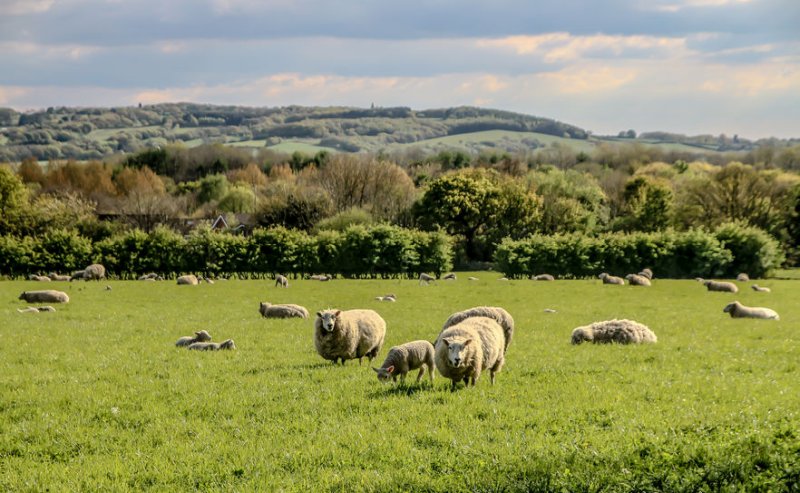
188,280
57,277
77,275
463,351
199,336
544,277
343,335
404,358
646,273
450,277
34,277
94,272
472,278
723,286
388,297
743,277
637,280
48,296
30,309
320,277
286,310
212,346
619,331
738,310
760,289
281,281
46,308
151,276
609,279
426,278
496,313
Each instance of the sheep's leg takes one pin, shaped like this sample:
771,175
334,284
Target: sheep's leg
421,372
430,372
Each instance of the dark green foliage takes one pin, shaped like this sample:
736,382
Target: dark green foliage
755,252
62,251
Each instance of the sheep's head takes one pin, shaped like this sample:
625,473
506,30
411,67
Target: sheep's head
603,275
328,319
262,308
202,336
227,344
457,351
22,296
581,334
384,374
730,307
706,283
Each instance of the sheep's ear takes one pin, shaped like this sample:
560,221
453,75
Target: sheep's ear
375,369
390,369
319,314
337,312
468,342
446,342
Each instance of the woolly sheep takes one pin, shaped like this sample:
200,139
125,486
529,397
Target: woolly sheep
496,313
450,277
94,272
388,297
46,308
286,310
426,278
727,287
609,279
637,280
404,358
48,295
212,346
320,277
742,277
466,349
151,276
350,334
620,331
199,336
34,277
30,309
646,273
471,278
544,277
54,276
280,280
77,275
188,280
738,310
760,289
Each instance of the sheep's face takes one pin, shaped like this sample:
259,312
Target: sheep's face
328,320
457,351
579,335
384,374
729,308
202,336
228,344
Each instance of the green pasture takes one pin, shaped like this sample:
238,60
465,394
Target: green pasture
95,397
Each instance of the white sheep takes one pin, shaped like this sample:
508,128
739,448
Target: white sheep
320,277
619,331
498,314
77,275
468,348
94,272
34,277
48,295
723,286
285,310
148,277
188,280
473,278
742,277
280,280
543,277
404,358
738,310
450,276
388,297
760,289
54,276
46,308
426,278
30,309
212,346
637,280
646,273
350,334
609,279
199,336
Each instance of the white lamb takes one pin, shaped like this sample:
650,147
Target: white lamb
544,277
738,310
619,331
760,289
212,346
426,278
609,279
285,310
466,349
404,358
343,335
199,336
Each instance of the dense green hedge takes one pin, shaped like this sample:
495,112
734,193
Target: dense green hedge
730,249
359,251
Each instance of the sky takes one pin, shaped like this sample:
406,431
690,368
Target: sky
688,66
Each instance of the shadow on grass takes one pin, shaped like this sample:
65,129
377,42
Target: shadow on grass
406,389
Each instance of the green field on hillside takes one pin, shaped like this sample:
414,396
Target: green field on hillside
95,397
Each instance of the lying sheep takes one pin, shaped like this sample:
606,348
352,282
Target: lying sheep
286,310
212,346
199,336
46,308
609,279
464,350
281,281
30,309
48,295
404,358
760,289
619,331
188,280
94,272
472,278
742,277
738,310
388,297
727,287
34,277
426,278
637,280
498,314
450,277
54,276
152,276
646,273
351,334
544,277
320,277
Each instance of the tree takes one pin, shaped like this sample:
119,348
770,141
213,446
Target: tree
647,205
13,200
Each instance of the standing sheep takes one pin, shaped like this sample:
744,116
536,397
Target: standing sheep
609,279
544,277
48,295
637,280
199,336
404,358
743,277
760,289
77,275
620,331
286,310
722,286
350,334
738,310
426,278
464,350
280,280
94,272
188,280
212,346
498,314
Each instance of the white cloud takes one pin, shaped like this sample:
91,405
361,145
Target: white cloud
24,7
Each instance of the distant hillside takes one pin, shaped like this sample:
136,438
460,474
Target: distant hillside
95,133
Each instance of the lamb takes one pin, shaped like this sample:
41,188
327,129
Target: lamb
727,287
738,310
609,279
350,334
426,278
152,276
286,310
30,309
621,331
320,277
544,277
54,276
212,346
450,277
281,281
34,277
637,280
46,308
760,289
48,295
464,350
646,273
388,297
188,280
94,272
498,314
472,278
404,358
199,336
743,277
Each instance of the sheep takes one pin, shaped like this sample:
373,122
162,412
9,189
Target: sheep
321,277
404,358
286,310
742,277
738,310
621,331
34,277
48,295
152,276
94,272
54,276
77,275
472,278
760,289
426,278
504,278
280,280
646,273
388,297
46,308
609,279
199,336
498,314
727,287
544,277
450,277
30,309
464,350
350,334
212,346
188,280
637,280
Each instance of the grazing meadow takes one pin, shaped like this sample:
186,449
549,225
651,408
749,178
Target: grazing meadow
96,397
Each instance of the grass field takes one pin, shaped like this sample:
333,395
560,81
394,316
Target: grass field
95,397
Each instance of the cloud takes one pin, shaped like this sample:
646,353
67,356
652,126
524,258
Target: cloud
25,7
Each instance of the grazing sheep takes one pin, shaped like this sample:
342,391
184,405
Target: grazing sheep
723,286
738,310
280,280
54,276
34,277
450,277
609,279
464,350
286,310
496,313
212,346
199,336
48,295
637,280
742,277
94,272
404,358
760,289
350,334
620,331
188,280
544,277
426,278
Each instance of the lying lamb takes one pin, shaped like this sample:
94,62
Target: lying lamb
760,289
285,310
723,286
738,310
609,279
199,336
620,331
212,346
637,280
404,358
544,277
